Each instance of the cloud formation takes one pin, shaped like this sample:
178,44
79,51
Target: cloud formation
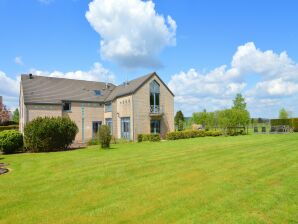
277,82
132,32
18,60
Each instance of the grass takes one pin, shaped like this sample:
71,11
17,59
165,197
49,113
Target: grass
245,179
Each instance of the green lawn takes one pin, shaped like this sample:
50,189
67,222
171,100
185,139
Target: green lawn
245,179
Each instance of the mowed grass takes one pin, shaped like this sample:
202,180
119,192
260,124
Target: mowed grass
245,179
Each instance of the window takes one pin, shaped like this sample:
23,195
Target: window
97,92
125,128
66,106
155,126
109,123
154,93
108,107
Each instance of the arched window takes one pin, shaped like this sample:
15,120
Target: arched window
154,93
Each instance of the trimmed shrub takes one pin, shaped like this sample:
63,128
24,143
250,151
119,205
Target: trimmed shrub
140,137
11,141
277,122
191,134
295,124
46,134
9,127
104,136
148,137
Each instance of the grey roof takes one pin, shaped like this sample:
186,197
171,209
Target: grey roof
129,87
49,90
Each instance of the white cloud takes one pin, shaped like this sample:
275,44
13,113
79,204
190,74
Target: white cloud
278,82
18,60
9,87
132,32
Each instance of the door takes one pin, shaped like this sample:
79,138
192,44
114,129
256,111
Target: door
125,128
95,128
155,126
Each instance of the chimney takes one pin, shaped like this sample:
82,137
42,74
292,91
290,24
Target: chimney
30,76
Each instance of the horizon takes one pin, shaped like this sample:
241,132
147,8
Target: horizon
206,52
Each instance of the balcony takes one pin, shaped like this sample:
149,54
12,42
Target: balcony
156,110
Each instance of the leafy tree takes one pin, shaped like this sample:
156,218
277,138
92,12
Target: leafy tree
179,120
283,114
16,116
239,102
4,114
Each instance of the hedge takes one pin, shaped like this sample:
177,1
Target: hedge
9,127
148,137
11,141
292,122
49,134
191,134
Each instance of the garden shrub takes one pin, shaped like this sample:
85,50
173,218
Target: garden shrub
105,136
11,141
148,137
140,137
191,134
9,127
295,124
46,134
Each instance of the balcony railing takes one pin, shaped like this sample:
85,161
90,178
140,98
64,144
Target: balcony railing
155,109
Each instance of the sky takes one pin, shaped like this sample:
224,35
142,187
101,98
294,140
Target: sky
206,51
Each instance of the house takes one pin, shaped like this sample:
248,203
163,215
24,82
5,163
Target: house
140,106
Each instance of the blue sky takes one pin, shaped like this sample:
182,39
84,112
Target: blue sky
56,38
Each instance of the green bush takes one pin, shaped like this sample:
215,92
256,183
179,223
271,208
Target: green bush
295,124
49,134
191,134
93,142
9,127
148,137
10,141
140,137
277,122
105,137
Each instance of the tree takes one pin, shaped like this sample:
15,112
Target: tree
239,102
179,120
283,114
4,114
16,116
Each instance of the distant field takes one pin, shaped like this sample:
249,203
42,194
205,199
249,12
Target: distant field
244,179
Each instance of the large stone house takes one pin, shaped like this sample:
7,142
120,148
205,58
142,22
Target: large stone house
141,106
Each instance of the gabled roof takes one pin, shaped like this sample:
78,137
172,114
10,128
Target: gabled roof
132,86
49,90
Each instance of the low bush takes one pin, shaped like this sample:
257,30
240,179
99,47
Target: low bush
104,136
93,142
46,134
148,137
11,141
191,134
9,127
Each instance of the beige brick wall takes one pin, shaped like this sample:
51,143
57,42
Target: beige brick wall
124,109
92,112
141,105
40,110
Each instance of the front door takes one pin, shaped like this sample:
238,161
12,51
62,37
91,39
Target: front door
125,128
95,128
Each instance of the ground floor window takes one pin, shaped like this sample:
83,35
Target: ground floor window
109,123
125,128
95,128
155,126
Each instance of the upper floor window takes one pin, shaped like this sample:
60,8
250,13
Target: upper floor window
108,107
154,93
97,92
66,106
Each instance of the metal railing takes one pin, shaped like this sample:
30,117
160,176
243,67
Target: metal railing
155,109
